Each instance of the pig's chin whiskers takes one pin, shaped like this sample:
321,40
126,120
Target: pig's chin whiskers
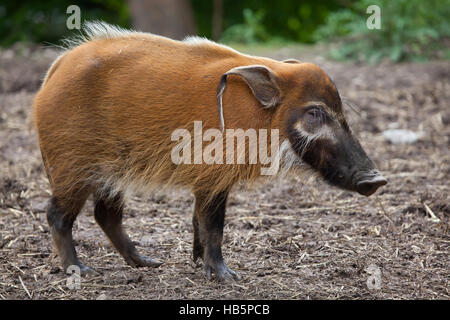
291,157
291,162
288,158
304,142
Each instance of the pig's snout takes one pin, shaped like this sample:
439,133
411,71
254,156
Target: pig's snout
369,182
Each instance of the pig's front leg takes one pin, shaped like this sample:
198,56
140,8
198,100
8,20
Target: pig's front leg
208,224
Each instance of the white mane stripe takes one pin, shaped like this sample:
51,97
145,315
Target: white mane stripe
92,30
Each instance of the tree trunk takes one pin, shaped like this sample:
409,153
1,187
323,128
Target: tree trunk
217,20
170,18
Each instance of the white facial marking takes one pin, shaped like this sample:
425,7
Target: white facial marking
324,133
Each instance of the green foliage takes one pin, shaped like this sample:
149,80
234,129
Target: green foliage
307,18
45,21
410,30
251,31
249,21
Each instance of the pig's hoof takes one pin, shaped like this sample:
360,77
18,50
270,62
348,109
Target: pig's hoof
88,271
222,272
142,261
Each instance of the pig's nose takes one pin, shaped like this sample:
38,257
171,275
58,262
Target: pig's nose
369,184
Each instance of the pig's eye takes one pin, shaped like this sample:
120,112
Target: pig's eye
314,112
315,115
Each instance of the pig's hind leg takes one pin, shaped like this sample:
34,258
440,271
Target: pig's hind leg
208,221
108,214
61,214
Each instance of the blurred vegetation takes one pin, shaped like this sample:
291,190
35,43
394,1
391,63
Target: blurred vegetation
243,21
249,21
410,29
251,31
45,21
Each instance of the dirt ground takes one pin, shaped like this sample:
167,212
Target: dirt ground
288,239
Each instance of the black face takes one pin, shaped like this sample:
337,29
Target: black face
321,137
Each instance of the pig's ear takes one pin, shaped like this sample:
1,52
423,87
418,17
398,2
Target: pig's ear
260,79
